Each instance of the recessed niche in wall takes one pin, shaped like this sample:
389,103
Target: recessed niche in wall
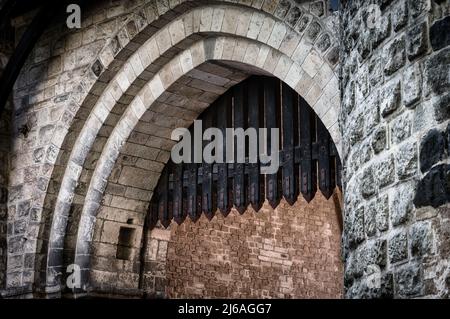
125,243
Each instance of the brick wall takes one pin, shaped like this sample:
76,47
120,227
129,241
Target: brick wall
289,252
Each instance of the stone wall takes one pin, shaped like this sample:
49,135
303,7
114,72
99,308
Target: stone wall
287,252
100,104
6,48
93,110
395,112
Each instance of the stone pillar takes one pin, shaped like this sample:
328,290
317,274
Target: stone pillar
395,79
6,47
154,275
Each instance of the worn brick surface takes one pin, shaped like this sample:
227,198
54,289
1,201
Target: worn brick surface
289,252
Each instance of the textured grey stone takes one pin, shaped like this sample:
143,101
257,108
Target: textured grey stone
401,205
399,15
370,214
434,188
385,171
303,23
409,281
391,98
313,31
418,7
333,56
439,37
282,9
398,248
293,16
368,186
323,43
401,128
412,85
356,235
406,160
436,74
317,8
383,31
417,38
379,140
356,131
382,213
420,239
432,149
394,56
442,109
375,71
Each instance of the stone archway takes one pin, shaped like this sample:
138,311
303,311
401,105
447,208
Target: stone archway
287,55
92,109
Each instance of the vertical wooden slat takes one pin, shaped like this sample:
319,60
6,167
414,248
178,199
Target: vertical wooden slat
192,188
207,208
178,209
307,184
223,110
253,95
323,141
270,111
289,180
239,168
163,197
338,172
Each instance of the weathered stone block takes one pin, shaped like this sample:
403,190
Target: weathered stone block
317,8
368,186
436,73
394,56
313,31
401,128
293,16
383,31
442,108
401,203
419,7
379,140
355,132
439,35
376,253
406,160
385,172
398,248
412,85
382,213
447,135
399,15
432,149
391,98
323,43
365,43
420,238
282,9
409,281
356,234
375,71
303,23
434,189
370,213
417,38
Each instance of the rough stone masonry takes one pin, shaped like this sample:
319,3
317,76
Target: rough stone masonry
87,136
